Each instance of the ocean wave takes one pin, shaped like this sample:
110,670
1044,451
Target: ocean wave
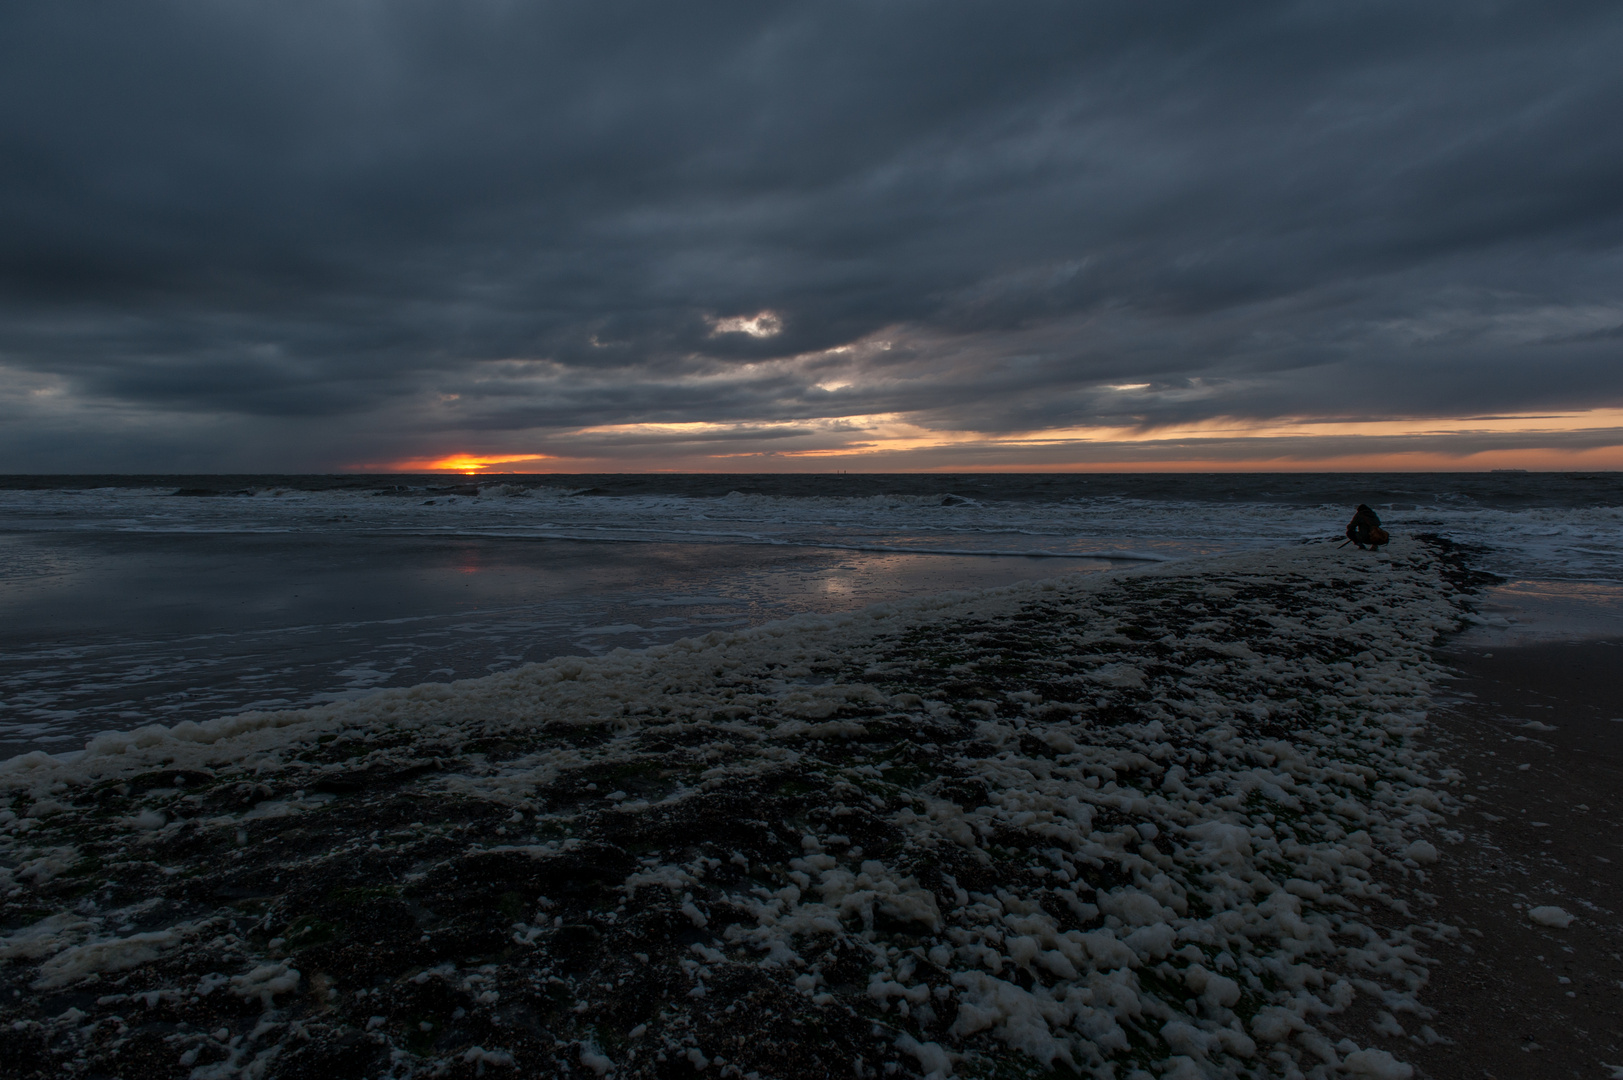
1532,537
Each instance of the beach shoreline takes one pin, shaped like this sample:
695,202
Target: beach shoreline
1140,820
1536,733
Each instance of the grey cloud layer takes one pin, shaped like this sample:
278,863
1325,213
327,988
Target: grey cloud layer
387,222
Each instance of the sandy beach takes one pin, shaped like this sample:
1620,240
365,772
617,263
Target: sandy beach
1537,732
791,541
1185,821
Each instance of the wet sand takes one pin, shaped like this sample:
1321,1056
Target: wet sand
1014,833
1537,733
609,862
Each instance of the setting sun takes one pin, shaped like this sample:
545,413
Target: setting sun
462,463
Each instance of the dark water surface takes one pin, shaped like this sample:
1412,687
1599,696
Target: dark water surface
118,631
1508,488
127,600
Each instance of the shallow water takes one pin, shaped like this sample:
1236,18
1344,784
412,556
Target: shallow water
115,631
125,602
1529,611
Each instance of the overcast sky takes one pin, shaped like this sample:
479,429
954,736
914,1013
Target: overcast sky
324,234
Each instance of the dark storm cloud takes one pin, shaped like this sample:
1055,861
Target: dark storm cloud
367,223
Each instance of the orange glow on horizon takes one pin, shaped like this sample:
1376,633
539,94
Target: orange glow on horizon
891,432
1533,460
898,442
469,464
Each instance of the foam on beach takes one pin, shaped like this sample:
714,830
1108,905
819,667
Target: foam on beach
1131,824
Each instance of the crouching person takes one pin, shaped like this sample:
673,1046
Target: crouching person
1365,529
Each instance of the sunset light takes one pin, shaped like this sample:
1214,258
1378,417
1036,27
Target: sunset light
463,463
889,442
1182,444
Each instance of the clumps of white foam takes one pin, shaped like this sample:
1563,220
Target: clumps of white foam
265,982
1276,901
48,937
1421,851
116,954
76,948
1551,916
1373,1064
1175,850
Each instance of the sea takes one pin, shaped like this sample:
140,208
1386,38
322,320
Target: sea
134,600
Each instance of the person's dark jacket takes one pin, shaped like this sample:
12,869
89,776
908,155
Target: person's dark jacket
1358,529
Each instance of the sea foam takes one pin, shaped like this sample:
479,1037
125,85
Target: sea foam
1141,819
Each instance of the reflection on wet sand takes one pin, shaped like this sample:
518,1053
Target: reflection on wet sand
1533,612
